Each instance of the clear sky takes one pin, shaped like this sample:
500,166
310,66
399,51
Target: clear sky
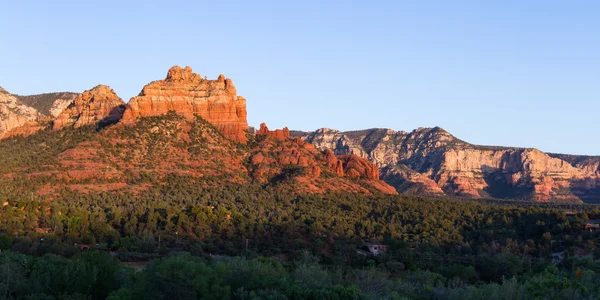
511,73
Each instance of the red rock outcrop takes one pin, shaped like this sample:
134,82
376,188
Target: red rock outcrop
277,133
188,94
275,153
356,167
334,164
100,105
278,156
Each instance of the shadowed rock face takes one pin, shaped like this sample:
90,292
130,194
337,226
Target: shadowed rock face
188,94
100,106
432,161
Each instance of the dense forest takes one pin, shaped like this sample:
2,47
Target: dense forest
293,246
177,235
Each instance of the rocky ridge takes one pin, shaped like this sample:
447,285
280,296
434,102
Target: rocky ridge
432,161
182,127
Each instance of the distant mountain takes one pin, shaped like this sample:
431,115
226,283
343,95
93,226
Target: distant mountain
432,161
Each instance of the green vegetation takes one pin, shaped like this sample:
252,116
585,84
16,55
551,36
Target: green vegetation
207,237
96,275
438,248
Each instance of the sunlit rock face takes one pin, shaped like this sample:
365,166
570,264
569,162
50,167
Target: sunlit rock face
188,94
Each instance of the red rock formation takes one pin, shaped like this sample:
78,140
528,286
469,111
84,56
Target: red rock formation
188,95
278,157
100,105
334,164
277,133
357,167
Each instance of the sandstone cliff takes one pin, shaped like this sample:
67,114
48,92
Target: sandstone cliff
188,94
14,113
432,161
100,106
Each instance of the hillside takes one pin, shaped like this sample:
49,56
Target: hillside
100,144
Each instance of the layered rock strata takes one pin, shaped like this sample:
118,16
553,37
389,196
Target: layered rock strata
188,94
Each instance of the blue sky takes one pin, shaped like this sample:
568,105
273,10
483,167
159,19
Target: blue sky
511,73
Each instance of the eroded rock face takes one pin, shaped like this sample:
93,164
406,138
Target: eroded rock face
356,167
49,104
14,114
277,133
278,157
188,94
333,163
100,106
432,161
